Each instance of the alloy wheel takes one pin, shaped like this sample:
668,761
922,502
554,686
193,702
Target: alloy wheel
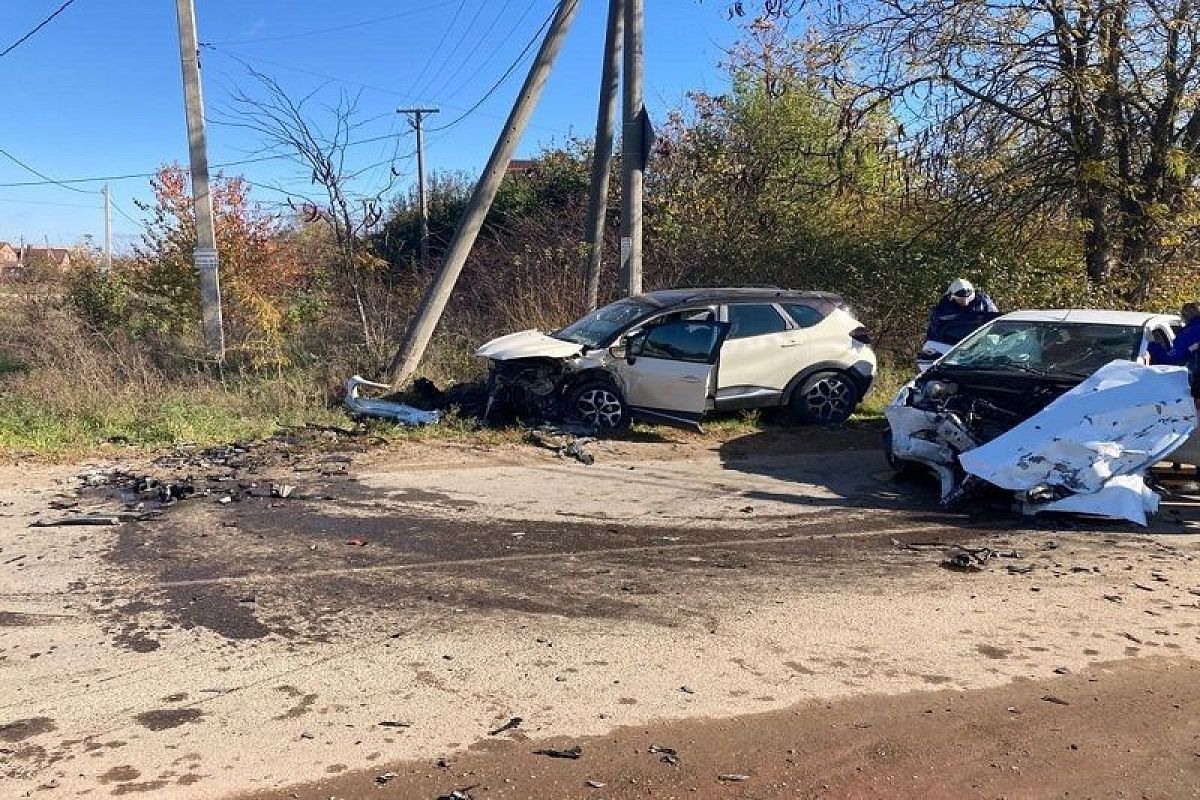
599,407
830,399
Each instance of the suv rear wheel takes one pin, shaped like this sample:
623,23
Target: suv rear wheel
825,397
598,403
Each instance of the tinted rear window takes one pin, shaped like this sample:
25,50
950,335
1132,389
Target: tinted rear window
804,315
758,319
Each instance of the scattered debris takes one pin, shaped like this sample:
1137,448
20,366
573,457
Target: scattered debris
511,725
732,777
399,413
77,519
357,542
1020,569
1061,671
459,794
391,723
282,490
570,752
565,441
385,778
1114,598
687,690
1058,701
595,784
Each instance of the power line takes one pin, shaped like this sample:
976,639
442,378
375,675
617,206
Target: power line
36,28
438,48
457,47
42,175
121,211
317,31
482,64
243,58
511,68
22,202
441,87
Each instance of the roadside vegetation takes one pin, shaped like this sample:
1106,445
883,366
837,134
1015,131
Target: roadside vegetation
797,176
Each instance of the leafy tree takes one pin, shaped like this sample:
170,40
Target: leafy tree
261,274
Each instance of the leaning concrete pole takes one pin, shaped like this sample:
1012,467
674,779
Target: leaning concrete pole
404,364
207,263
633,153
606,117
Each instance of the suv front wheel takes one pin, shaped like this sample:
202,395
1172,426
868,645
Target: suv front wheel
598,403
825,397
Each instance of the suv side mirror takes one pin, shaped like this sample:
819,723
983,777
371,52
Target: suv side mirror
620,349
633,346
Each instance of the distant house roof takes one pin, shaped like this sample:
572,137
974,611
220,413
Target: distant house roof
522,166
55,255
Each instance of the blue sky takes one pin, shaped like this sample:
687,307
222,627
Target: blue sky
97,91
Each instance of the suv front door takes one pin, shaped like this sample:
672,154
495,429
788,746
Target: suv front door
667,375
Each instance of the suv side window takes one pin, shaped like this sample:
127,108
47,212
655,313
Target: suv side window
805,316
679,341
755,319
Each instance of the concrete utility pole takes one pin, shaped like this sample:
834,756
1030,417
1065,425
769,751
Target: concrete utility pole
107,229
416,119
207,262
606,116
633,153
404,364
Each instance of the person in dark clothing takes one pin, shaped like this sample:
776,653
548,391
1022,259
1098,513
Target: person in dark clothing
1186,347
960,298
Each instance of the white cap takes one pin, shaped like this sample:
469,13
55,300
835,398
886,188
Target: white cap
961,285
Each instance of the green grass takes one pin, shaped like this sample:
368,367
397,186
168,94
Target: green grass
888,381
74,424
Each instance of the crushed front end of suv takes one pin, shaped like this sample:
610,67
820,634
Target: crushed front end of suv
1060,407
675,355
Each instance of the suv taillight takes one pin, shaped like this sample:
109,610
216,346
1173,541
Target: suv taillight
861,335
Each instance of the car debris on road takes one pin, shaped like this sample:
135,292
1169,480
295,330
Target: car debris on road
400,413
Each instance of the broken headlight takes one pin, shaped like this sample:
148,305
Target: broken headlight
933,391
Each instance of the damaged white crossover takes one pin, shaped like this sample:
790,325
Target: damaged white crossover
1059,407
674,355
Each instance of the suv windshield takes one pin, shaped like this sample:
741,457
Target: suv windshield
600,327
1057,349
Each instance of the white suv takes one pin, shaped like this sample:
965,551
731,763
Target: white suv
673,355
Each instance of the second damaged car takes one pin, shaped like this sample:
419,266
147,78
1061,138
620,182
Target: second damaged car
1055,405
674,355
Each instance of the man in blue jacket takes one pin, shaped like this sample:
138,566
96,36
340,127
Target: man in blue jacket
1186,346
960,298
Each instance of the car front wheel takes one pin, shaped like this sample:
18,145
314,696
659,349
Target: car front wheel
598,404
826,397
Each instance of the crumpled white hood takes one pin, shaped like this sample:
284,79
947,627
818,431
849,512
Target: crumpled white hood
528,344
1097,441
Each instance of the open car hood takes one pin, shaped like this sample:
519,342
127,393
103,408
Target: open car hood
528,344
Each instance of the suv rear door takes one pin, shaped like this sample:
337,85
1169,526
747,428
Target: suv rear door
761,354
668,373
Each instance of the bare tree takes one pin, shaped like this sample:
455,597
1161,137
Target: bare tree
317,140
1084,109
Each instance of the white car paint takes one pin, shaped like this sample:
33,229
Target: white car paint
527,344
931,438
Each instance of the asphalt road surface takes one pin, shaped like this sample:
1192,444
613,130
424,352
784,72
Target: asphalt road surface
763,617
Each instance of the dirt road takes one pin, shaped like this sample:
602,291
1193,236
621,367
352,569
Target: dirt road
400,605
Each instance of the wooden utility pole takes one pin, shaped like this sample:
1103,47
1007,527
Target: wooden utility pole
107,228
606,116
205,254
633,152
408,357
416,119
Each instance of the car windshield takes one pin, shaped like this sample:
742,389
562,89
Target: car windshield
1053,349
602,325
